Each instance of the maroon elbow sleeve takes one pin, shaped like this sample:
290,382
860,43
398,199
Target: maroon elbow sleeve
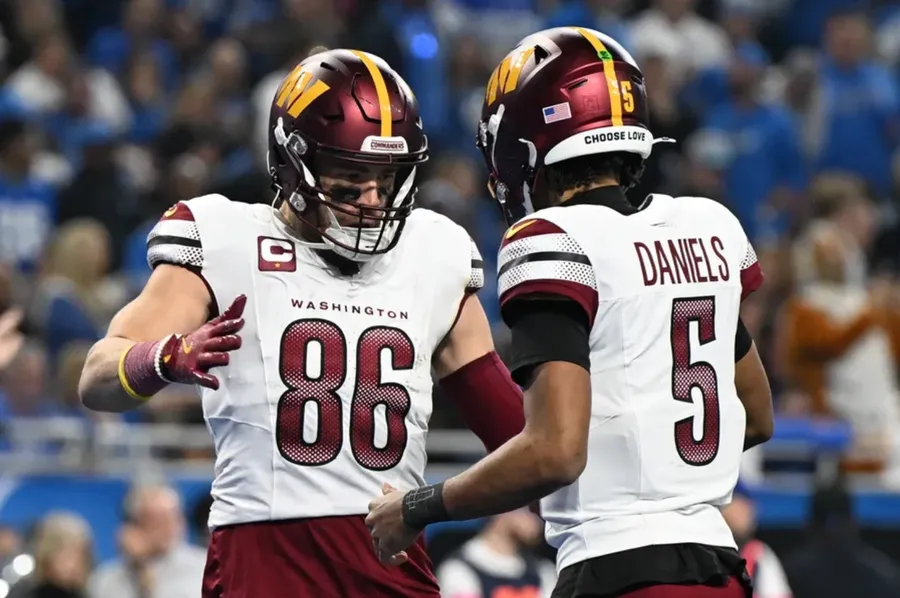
489,401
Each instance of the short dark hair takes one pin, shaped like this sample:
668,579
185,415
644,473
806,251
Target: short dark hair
583,171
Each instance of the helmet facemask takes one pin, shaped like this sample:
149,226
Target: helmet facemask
349,228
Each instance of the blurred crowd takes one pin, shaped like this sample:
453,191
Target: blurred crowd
55,559
787,111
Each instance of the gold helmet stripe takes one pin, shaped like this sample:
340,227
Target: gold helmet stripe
381,90
609,71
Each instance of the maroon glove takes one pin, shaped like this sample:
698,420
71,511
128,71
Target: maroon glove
149,367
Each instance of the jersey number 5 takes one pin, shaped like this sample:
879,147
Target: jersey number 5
688,375
320,385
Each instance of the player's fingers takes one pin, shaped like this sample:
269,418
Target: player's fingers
227,327
399,558
229,342
373,504
235,310
385,556
206,380
212,360
387,488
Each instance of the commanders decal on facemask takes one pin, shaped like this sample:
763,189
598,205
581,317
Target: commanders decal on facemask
299,90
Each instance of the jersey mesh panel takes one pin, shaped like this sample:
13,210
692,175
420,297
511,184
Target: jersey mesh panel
749,258
171,253
540,243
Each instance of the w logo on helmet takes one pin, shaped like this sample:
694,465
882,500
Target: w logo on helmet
298,91
506,75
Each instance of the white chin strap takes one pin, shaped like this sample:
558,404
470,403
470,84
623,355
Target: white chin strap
368,242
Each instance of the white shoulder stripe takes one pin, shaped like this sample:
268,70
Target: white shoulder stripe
547,270
555,242
177,254
186,229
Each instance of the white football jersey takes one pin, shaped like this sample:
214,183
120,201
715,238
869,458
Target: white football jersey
330,394
662,289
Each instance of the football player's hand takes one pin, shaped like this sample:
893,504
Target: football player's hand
187,358
10,338
385,522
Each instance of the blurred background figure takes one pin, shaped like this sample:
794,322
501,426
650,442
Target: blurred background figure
499,561
10,338
61,562
765,569
838,327
834,561
155,560
27,204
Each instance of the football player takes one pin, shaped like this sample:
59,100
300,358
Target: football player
316,375
644,387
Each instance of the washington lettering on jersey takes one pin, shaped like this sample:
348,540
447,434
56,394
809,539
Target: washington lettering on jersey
329,395
682,261
350,309
659,291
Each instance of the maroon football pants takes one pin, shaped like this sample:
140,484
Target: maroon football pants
328,557
734,589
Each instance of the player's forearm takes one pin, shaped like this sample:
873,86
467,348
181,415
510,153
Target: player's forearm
521,471
104,378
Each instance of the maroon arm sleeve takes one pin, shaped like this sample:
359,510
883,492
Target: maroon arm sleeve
489,401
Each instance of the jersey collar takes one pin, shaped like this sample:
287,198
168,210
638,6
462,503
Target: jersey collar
612,196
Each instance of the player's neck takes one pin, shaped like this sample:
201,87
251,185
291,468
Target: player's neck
344,266
570,193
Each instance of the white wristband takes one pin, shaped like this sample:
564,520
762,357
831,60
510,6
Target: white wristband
157,358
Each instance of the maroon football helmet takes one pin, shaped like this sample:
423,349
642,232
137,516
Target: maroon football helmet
559,94
350,109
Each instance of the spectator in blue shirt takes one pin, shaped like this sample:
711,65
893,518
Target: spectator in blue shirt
767,169
861,108
27,205
111,46
146,95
